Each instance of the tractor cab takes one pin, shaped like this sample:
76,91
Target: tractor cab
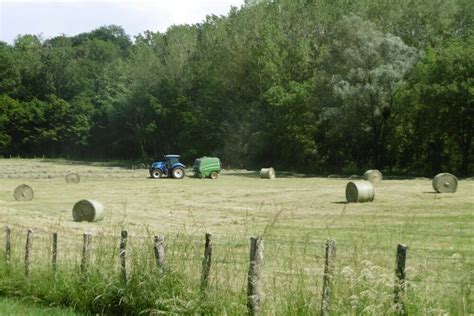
170,167
171,160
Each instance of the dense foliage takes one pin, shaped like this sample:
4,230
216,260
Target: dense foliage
316,86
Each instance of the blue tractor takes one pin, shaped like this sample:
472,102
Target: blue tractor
170,168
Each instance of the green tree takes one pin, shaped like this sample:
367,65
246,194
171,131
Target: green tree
35,81
441,107
113,34
9,70
291,126
363,69
8,108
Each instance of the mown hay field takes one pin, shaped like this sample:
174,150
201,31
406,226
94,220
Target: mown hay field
294,214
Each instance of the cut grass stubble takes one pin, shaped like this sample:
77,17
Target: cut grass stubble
294,215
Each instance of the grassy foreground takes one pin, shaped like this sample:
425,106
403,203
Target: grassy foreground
10,306
294,214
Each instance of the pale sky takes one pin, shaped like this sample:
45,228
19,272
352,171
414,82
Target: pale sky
55,17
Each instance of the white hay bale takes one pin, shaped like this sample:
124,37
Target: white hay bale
359,191
445,183
373,176
88,210
23,193
72,178
267,173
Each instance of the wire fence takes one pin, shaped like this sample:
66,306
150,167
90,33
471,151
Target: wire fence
347,249
289,260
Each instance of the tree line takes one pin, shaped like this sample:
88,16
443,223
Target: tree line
305,85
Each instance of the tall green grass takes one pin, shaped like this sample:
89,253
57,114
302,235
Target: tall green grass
9,306
102,290
363,282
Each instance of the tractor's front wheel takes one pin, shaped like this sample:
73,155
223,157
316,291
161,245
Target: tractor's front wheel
178,173
156,173
213,175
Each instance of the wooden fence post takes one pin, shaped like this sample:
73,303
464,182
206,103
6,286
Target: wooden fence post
8,245
328,273
86,252
55,251
206,262
160,253
123,254
400,279
254,287
29,240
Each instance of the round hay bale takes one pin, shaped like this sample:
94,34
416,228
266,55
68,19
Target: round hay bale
73,178
267,173
88,210
359,191
373,176
23,193
445,183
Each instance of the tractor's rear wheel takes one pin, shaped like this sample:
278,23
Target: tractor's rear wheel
178,173
213,175
156,173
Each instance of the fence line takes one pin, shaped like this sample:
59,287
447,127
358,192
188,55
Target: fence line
299,246
220,240
302,250
341,241
255,263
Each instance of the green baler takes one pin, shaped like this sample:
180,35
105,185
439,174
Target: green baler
207,167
